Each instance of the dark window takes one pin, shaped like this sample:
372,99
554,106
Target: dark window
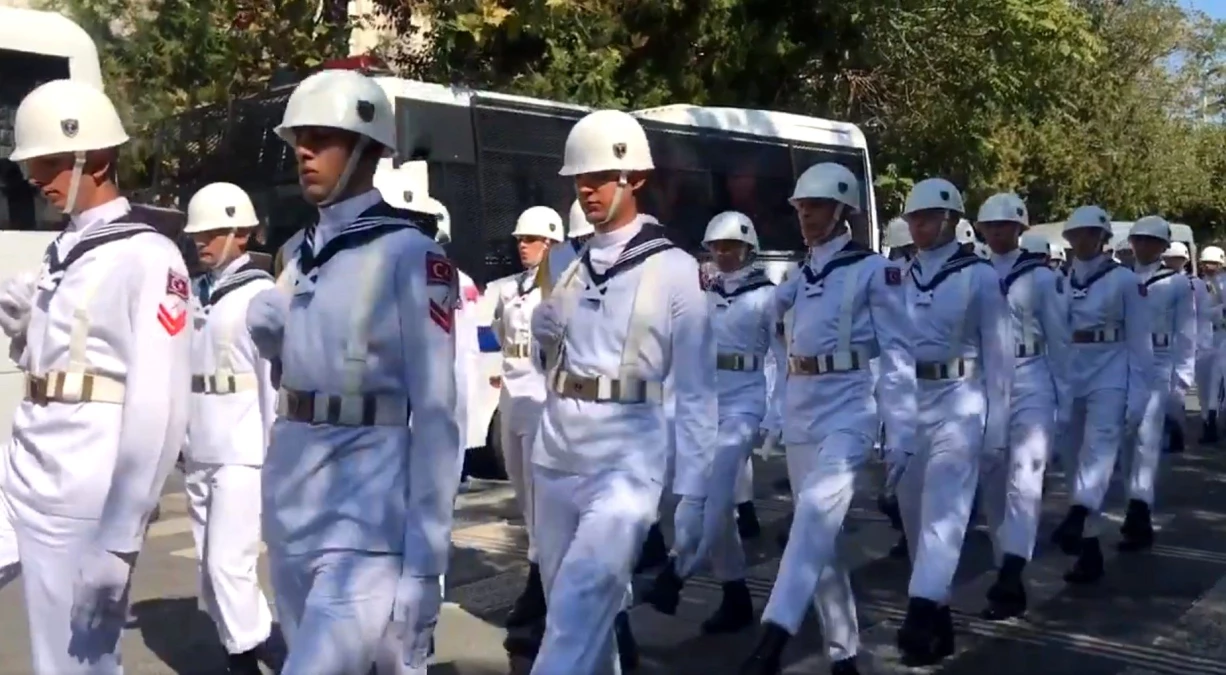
23,207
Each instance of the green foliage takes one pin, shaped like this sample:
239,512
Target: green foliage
1065,101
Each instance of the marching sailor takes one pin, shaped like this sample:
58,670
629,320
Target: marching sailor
1210,343
233,406
1012,483
742,320
522,390
1173,333
1110,376
357,510
101,335
962,339
627,315
849,308
1177,257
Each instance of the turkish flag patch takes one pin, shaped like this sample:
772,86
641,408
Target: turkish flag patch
893,276
1143,290
178,285
173,318
443,317
439,270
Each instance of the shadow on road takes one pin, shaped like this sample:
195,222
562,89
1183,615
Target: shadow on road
184,639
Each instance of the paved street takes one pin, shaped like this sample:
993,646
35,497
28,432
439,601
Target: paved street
1160,612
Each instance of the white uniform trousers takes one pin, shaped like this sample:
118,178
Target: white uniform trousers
935,495
44,550
1011,492
335,610
518,428
823,480
223,501
1203,373
1142,457
1089,448
737,434
589,530
744,477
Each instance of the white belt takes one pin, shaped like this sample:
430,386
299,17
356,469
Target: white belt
954,369
345,410
1161,340
838,362
516,351
605,389
1027,349
62,387
738,362
1082,337
224,384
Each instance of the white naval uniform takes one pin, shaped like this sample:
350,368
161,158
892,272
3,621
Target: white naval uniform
962,340
106,358
1011,489
356,497
233,406
742,322
1109,376
632,313
849,308
1173,334
1208,300
523,386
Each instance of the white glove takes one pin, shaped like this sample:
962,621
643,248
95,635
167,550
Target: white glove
266,316
771,445
896,464
547,326
419,600
16,297
690,543
98,595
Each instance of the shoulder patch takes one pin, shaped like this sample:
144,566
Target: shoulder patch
1141,288
178,285
440,271
893,276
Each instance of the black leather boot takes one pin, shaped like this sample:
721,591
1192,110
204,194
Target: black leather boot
530,606
665,592
735,611
920,636
747,524
900,551
627,646
1209,432
1089,567
1174,434
767,657
524,642
844,667
1007,597
1068,534
654,552
246,663
1138,528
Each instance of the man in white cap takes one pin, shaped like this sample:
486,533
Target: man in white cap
626,316
1209,349
103,337
361,471
522,385
233,406
1177,257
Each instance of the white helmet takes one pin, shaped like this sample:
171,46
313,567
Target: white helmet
1177,249
220,206
539,221
898,234
1151,226
1004,207
934,193
606,140
965,232
1088,217
1213,254
66,116
577,224
434,207
340,99
1057,252
731,226
828,181
1033,242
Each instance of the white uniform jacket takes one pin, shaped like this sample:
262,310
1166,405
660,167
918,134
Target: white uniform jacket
1173,326
743,323
645,319
848,309
363,453
523,383
233,402
107,355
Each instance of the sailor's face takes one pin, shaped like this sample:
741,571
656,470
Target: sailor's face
52,176
602,194
927,227
1000,236
217,247
1175,263
322,154
531,250
816,218
728,255
1147,250
1210,269
1086,242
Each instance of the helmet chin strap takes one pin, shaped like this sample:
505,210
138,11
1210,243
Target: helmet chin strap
832,226
350,165
74,185
949,226
623,181
224,258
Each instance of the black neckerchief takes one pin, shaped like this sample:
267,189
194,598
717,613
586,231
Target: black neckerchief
1109,266
851,253
753,281
526,283
960,260
236,280
1026,262
90,240
377,221
1164,273
649,241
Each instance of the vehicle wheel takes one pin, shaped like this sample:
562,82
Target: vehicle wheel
486,462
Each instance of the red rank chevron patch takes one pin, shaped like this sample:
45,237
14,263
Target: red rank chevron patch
172,320
443,317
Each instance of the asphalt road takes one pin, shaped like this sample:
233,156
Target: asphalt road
1159,612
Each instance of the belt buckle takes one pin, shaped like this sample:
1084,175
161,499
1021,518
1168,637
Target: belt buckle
582,388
